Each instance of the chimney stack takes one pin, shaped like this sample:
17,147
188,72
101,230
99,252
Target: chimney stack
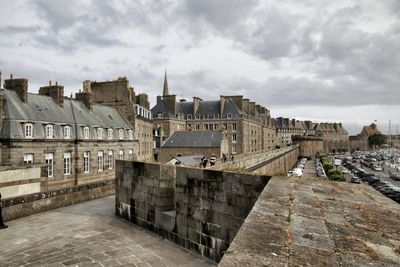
20,86
54,91
86,98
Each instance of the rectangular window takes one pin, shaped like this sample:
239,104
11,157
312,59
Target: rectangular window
110,134
121,134
234,138
225,126
211,127
49,131
100,161
110,160
29,130
28,158
86,133
197,126
121,155
67,163
215,126
233,149
67,132
130,134
130,154
86,162
233,126
49,163
205,126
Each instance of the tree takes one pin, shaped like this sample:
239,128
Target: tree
377,139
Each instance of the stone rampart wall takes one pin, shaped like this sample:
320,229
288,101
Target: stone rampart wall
198,209
21,206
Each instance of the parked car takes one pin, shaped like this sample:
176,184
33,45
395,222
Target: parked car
355,179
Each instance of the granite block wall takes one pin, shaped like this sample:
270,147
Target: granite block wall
201,210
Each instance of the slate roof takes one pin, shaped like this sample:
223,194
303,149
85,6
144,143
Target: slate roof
202,139
192,160
205,108
41,110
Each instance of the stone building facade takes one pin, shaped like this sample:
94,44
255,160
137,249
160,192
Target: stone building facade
134,107
184,143
248,126
76,140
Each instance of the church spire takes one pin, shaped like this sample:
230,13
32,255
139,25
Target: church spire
165,91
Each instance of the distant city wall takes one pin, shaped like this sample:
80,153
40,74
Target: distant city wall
270,162
25,205
198,209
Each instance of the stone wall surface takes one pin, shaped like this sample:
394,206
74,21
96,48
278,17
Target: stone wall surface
201,210
21,206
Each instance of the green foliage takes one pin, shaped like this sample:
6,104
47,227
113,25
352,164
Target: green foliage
377,139
330,169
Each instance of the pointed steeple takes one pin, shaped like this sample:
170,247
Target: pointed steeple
165,91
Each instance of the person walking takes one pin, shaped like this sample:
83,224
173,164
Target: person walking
213,159
204,161
2,225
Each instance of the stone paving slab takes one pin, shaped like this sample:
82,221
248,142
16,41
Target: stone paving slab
88,234
327,224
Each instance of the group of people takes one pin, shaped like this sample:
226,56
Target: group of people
213,160
204,161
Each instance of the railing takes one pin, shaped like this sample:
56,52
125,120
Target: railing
250,160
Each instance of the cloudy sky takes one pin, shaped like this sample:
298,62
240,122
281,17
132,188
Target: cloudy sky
322,60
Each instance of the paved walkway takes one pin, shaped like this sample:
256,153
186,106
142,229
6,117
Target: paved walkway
87,234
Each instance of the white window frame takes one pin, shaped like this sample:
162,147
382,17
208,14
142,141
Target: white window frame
67,132
234,127
121,154
50,162
130,134
49,130
28,158
121,134
86,162
86,132
234,138
110,134
234,149
28,130
67,163
100,161
100,133
110,160
130,154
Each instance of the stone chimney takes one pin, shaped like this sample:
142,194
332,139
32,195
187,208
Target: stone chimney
196,104
252,108
54,91
245,106
87,86
86,98
238,100
221,105
20,86
170,100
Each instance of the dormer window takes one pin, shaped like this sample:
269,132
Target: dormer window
189,116
110,134
130,134
28,130
49,131
67,132
86,133
121,134
229,116
100,133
